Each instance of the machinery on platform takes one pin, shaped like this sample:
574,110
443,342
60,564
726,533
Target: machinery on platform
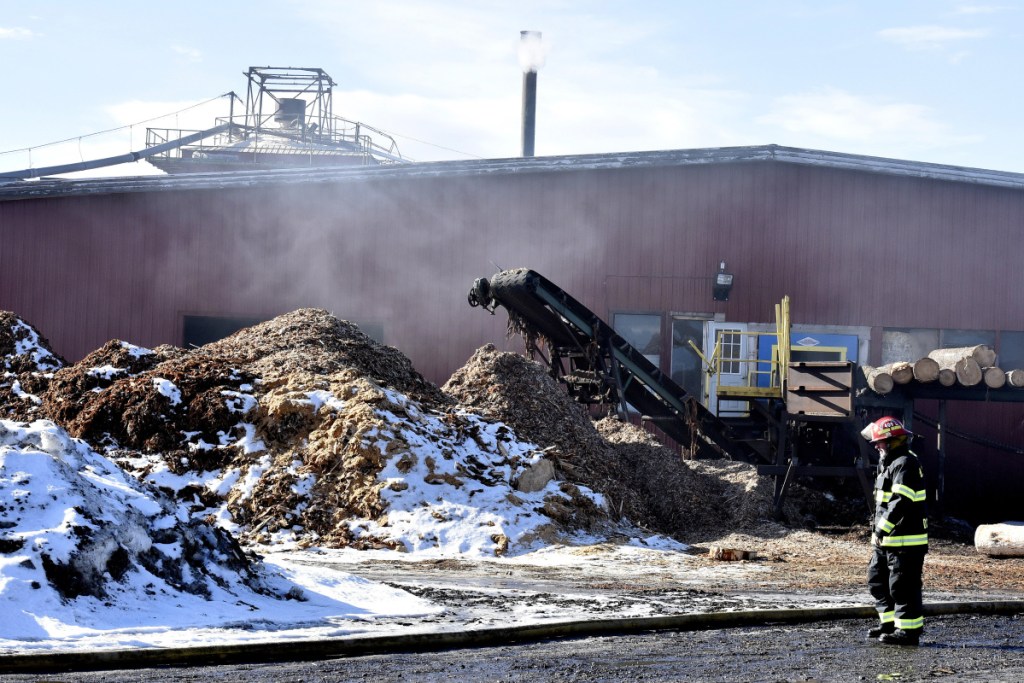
800,419
802,424
288,122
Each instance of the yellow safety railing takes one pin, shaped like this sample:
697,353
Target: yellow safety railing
754,367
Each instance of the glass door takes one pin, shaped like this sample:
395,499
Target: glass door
686,368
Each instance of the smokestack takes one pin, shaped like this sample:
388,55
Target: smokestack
531,57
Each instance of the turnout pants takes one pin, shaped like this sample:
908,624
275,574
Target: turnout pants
894,579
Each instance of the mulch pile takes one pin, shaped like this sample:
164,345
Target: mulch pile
290,414
644,481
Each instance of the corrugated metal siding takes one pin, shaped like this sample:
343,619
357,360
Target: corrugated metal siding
850,248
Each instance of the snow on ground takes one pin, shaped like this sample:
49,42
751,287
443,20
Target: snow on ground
91,558
139,584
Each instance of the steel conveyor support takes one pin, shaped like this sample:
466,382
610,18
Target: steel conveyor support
602,366
114,161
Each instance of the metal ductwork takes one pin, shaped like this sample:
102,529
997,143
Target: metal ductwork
291,112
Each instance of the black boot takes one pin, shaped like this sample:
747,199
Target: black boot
901,637
877,631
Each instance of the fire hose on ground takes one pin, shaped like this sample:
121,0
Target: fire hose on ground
311,650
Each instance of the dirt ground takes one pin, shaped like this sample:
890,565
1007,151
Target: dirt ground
826,560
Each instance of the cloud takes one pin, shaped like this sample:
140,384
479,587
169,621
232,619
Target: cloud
190,54
929,37
16,33
589,109
436,128
979,9
632,117
154,114
840,118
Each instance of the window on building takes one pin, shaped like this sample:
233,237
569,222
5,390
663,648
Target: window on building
951,339
643,332
803,354
907,344
686,369
198,330
730,346
1011,350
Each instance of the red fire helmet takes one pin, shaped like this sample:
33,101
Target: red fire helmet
884,428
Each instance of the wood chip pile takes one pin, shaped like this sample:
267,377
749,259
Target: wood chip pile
314,342
643,481
304,429
519,392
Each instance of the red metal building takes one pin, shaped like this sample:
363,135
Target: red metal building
879,256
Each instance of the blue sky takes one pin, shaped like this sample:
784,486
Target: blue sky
931,80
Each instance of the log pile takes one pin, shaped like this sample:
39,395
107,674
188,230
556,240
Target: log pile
966,366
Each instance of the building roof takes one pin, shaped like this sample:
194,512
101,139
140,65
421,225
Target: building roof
52,187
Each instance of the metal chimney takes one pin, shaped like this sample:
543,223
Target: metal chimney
530,57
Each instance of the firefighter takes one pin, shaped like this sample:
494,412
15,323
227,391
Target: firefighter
899,537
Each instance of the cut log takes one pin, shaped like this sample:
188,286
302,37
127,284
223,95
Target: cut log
947,377
962,361
994,377
1015,378
984,355
730,554
926,369
901,372
1000,540
879,381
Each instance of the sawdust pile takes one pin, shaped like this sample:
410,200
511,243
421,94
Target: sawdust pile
304,430
691,499
519,392
643,481
313,342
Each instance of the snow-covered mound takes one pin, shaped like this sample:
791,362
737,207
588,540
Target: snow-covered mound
85,546
26,365
304,430
372,468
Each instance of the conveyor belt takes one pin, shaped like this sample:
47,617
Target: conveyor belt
602,366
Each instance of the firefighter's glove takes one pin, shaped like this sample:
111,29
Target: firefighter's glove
876,540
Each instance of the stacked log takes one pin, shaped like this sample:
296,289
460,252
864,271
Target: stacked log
993,377
882,378
880,381
966,362
926,369
967,366
901,372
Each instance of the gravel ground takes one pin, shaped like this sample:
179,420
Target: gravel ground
956,648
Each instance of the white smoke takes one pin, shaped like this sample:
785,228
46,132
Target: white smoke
532,51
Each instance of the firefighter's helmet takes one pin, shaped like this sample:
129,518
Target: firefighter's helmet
884,429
